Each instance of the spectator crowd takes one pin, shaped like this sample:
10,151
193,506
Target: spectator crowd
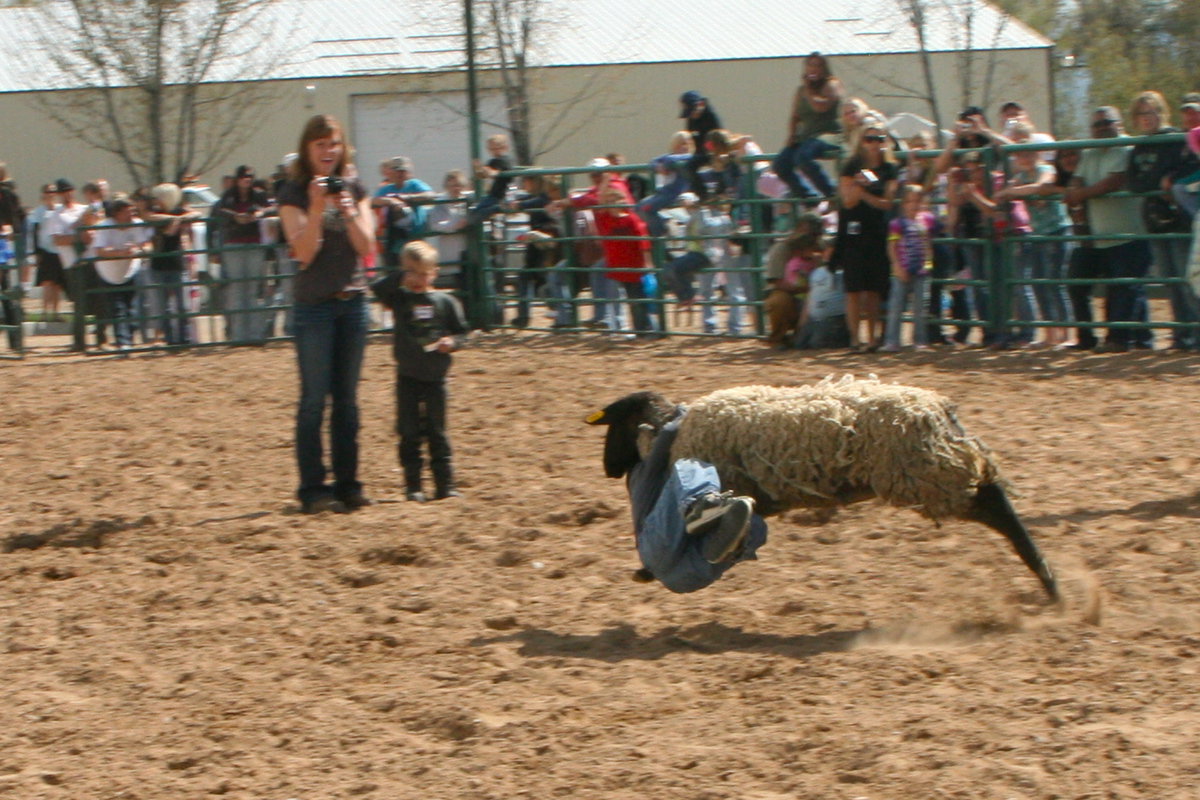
860,225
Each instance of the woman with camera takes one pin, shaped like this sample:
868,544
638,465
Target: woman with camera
327,217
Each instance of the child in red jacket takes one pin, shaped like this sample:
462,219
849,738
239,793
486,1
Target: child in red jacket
628,260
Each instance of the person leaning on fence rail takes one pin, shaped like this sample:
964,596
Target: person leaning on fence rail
1150,168
119,244
243,266
1033,182
448,219
168,265
402,203
327,217
1102,171
628,260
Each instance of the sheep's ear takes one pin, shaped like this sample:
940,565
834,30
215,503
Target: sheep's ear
623,418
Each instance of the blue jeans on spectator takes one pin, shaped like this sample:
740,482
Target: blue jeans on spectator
736,292
1170,260
660,491
681,274
330,338
120,307
607,295
802,155
172,300
558,286
1024,300
244,271
898,299
1127,303
1047,261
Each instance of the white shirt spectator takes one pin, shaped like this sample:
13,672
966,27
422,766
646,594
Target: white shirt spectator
117,271
62,222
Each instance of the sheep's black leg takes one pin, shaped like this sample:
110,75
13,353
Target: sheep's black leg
991,507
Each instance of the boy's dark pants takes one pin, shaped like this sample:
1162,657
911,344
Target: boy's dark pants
421,413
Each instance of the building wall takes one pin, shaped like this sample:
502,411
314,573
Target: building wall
582,112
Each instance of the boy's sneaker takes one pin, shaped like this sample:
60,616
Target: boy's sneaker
703,513
725,542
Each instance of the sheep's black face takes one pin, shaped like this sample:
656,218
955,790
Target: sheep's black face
623,418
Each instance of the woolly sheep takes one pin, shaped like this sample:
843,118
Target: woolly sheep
834,443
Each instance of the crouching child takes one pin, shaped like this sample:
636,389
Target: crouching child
429,327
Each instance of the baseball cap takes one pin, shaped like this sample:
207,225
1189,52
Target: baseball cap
970,111
402,162
599,163
689,100
1191,102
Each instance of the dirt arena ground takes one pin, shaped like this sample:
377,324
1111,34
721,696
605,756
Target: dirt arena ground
172,628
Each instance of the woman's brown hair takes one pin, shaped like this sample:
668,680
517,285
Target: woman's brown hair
319,127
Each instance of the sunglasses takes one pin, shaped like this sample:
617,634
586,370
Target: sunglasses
874,138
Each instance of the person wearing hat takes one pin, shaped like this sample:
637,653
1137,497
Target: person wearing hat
120,242
607,312
1185,181
244,263
1103,171
50,275
701,118
402,215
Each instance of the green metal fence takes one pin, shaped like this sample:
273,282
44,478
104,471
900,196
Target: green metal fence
490,275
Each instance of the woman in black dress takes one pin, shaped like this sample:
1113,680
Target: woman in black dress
866,189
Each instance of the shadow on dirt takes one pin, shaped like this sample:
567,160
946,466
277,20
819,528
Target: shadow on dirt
623,642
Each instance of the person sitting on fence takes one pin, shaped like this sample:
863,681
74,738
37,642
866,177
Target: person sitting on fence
499,163
671,172
813,132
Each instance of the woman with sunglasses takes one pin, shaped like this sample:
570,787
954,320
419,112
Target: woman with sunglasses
866,189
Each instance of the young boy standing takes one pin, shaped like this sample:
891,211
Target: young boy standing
429,327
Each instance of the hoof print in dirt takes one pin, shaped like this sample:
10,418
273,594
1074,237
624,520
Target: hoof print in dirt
403,555
359,580
455,725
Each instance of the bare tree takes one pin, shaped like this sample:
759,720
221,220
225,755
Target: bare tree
512,39
165,85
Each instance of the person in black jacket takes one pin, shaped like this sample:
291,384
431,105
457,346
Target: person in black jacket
429,327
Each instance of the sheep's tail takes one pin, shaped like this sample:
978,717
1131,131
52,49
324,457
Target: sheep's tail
991,507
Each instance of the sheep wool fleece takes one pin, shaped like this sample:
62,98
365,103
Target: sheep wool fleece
802,446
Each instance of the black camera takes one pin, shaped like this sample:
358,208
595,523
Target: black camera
334,184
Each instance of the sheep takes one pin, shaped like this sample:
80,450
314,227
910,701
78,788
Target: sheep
831,444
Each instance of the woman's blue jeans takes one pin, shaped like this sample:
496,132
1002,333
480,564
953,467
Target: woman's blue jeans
330,338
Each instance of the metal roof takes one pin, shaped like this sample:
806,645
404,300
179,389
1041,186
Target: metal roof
333,38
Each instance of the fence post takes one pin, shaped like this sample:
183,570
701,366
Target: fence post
77,289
